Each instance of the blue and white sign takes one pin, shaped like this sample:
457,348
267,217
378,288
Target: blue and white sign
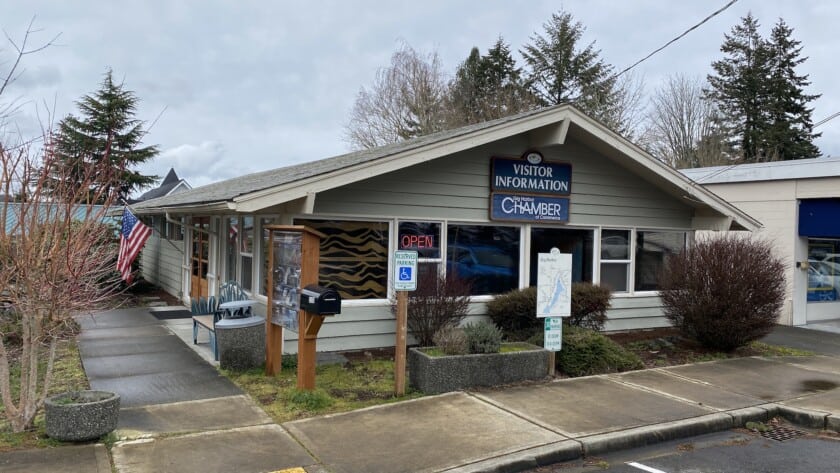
405,270
554,284
553,334
529,208
518,175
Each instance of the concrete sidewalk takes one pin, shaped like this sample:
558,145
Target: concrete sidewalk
506,429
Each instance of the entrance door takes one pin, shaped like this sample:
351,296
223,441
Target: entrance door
200,257
567,240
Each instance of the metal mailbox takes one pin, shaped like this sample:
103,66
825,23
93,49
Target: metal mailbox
320,300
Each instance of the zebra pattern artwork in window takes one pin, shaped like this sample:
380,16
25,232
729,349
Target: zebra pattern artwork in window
354,257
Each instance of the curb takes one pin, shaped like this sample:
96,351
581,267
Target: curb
600,444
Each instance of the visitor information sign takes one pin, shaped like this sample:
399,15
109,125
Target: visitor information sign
553,335
554,284
405,270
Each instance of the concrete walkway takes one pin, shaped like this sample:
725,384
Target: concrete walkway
507,429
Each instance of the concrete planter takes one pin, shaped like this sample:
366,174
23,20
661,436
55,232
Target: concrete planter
440,374
78,416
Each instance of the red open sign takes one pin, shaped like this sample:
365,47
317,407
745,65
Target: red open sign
417,241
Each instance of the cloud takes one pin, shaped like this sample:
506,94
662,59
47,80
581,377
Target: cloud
199,164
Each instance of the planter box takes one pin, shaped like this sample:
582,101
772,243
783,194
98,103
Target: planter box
440,374
81,415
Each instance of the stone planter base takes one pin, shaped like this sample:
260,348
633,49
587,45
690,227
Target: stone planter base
78,416
440,374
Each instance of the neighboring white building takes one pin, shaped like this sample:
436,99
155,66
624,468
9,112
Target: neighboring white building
475,200
798,204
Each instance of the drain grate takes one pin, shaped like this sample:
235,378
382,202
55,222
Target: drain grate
780,434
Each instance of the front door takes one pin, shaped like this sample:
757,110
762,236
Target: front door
200,257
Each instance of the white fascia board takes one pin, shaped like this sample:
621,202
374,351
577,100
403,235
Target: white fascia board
674,177
210,208
256,201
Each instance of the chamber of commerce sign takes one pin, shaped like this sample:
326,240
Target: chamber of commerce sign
519,175
529,208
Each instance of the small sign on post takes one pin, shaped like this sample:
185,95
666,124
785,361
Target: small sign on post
554,298
405,279
405,270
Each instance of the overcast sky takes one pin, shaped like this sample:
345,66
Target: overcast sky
244,86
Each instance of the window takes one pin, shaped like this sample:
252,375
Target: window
652,251
231,247
175,231
577,242
264,253
246,252
424,238
354,257
823,270
486,255
615,259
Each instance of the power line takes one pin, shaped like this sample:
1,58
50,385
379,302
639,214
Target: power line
827,119
722,9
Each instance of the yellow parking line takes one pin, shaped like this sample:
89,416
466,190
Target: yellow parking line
290,470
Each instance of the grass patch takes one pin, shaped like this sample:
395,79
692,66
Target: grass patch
505,348
339,388
68,375
765,349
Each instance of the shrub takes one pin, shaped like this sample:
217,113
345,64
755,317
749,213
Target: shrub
589,305
483,337
724,292
451,340
439,301
586,352
515,312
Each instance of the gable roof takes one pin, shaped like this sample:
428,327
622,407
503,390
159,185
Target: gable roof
546,126
170,183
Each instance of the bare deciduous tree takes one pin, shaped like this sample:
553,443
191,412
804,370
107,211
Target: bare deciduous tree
681,129
57,259
405,101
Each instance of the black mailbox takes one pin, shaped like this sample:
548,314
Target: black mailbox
320,300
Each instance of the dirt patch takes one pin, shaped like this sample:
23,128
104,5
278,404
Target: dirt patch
371,354
667,347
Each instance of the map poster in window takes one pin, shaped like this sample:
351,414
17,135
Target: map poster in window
554,284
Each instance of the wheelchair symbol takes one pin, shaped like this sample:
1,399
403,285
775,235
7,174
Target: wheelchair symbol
405,273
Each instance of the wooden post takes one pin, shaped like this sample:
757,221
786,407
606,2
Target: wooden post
307,353
552,357
400,346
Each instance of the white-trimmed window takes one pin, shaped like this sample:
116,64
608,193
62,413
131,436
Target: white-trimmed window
487,255
354,257
246,253
425,239
615,259
653,248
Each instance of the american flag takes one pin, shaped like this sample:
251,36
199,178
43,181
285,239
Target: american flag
132,238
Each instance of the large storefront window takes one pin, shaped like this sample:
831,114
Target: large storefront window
354,257
652,250
823,270
615,259
486,255
576,242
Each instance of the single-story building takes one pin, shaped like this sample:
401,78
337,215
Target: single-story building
482,200
798,204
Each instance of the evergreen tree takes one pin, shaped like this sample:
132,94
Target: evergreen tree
105,131
739,89
790,133
487,87
763,108
560,71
